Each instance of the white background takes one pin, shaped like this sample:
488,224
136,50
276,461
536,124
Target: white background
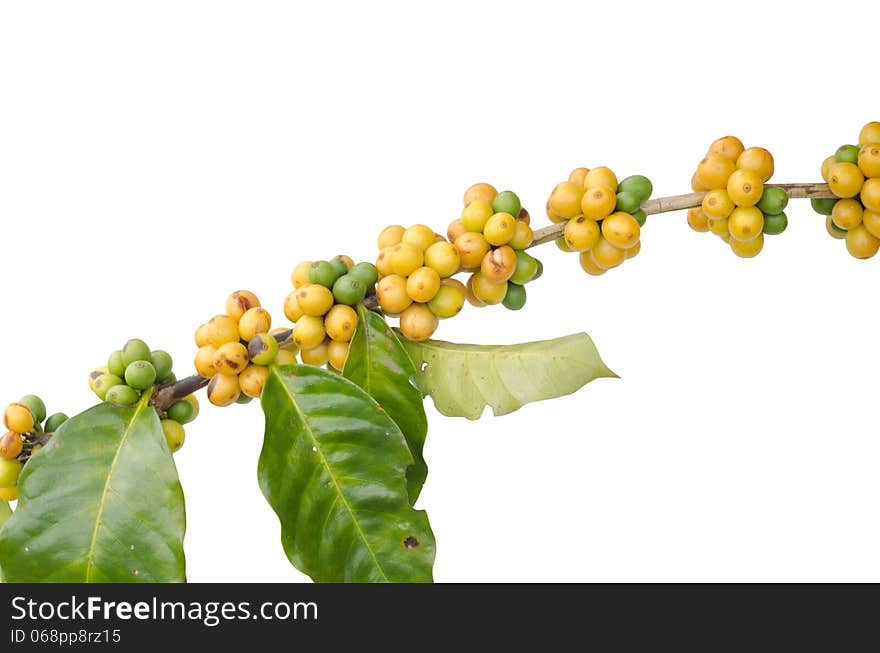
156,156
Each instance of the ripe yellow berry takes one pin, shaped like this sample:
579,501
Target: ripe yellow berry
472,247
621,230
870,134
222,329
204,361
581,233
598,202
589,266
456,229
745,223
565,200
300,275
697,219
633,251
758,160
714,171
871,195
309,332
847,213
845,179
826,167
392,295
871,220
730,147
9,493
578,175
861,243
475,215
481,191
337,354
239,302
11,445
317,355
601,177
292,310
444,258
390,236
405,258
419,236
341,322
869,160
255,320
717,204
499,264
423,284
285,357
418,323
554,217
745,187
522,236
230,358
383,261
174,434
18,418
202,336
499,229
697,184
10,470
606,255
314,300
486,291
223,389
718,226
471,297
747,248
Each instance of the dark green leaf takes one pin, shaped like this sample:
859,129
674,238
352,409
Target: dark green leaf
464,379
100,503
379,364
333,467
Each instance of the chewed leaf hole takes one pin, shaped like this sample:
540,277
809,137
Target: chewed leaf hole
411,542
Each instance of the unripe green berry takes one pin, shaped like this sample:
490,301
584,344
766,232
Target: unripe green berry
36,406
243,399
526,267
349,290
174,434
640,216
638,185
263,348
366,273
323,273
847,154
104,382
339,266
775,224
115,364
539,271
135,350
823,206
55,421
140,375
506,202
182,411
627,202
773,201
122,395
515,298
163,363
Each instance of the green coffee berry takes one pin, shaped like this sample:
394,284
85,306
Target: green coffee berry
163,363
366,273
115,364
135,350
140,375
515,298
640,216
182,411
526,268
349,290
104,382
174,434
507,202
55,421
773,201
638,185
775,224
339,266
539,271
627,202
323,273
262,349
243,399
122,395
847,154
823,206
36,406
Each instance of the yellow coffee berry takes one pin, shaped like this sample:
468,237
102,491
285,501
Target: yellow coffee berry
578,175
222,329
292,310
419,236
598,203
486,291
499,229
390,236
472,247
18,418
621,230
871,220
860,243
869,160
255,320
470,296
600,177
832,230
349,262
202,336
448,301
392,295
697,219
730,147
405,258
747,248
717,204
499,264
581,233
314,300
423,284
9,493
554,217
870,195
845,179
475,215
522,236
309,332
239,302
589,266
284,357
565,200
317,355
847,213
481,191
456,229
11,445
633,251
230,358
444,258
745,223
383,261
204,360
826,167
10,470
745,187
697,184
223,389
341,322
300,275
870,134
174,434
606,255
758,160
418,323
337,354
719,227
714,171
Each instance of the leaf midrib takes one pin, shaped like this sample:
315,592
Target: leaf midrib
330,473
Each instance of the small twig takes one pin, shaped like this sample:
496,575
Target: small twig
170,392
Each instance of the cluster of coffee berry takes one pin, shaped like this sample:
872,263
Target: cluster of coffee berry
603,217
321,306
853,175
26,422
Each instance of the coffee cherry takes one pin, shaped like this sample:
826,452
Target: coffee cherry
719,227
174,434
714,171
515,298
182,412
300,275
262,349
443,258
36,406
860,243
554,217
285,358
847,154
488,292
418,323
322,273
472,248
717,204
317,355
640,217
392,295
506,202
601,177
163,363
204,361
115,364
482,191
499,264
390,236
745,223
697,184
103,383
526,267
223,389
448,301
141,375
870,133
845,179
539,271
627,202
201,336
405,258
11,445
607,255
341,322
775,224
9,493
729,147
419,236
869,160
758,160
823,206
871,220
871,194
10,470
637,185
598,203
314,300
423,284
621,230
383,262
337,354
243,399
826,167
309,332
475,215
578,175
222,329
55,421
697,219
499,229
471,298
257,320
366,273
589,266
522,236
349,290
745,187
565,199
239,302
773,201
253,379
342,263
562,246
456,228
833,230
292,310
135,350
747,248
122,395
581,233
633,251
847,214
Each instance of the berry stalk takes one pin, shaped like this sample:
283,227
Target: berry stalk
680,202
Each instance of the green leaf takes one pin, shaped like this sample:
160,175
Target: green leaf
100,503
379,364
333,467
464,379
